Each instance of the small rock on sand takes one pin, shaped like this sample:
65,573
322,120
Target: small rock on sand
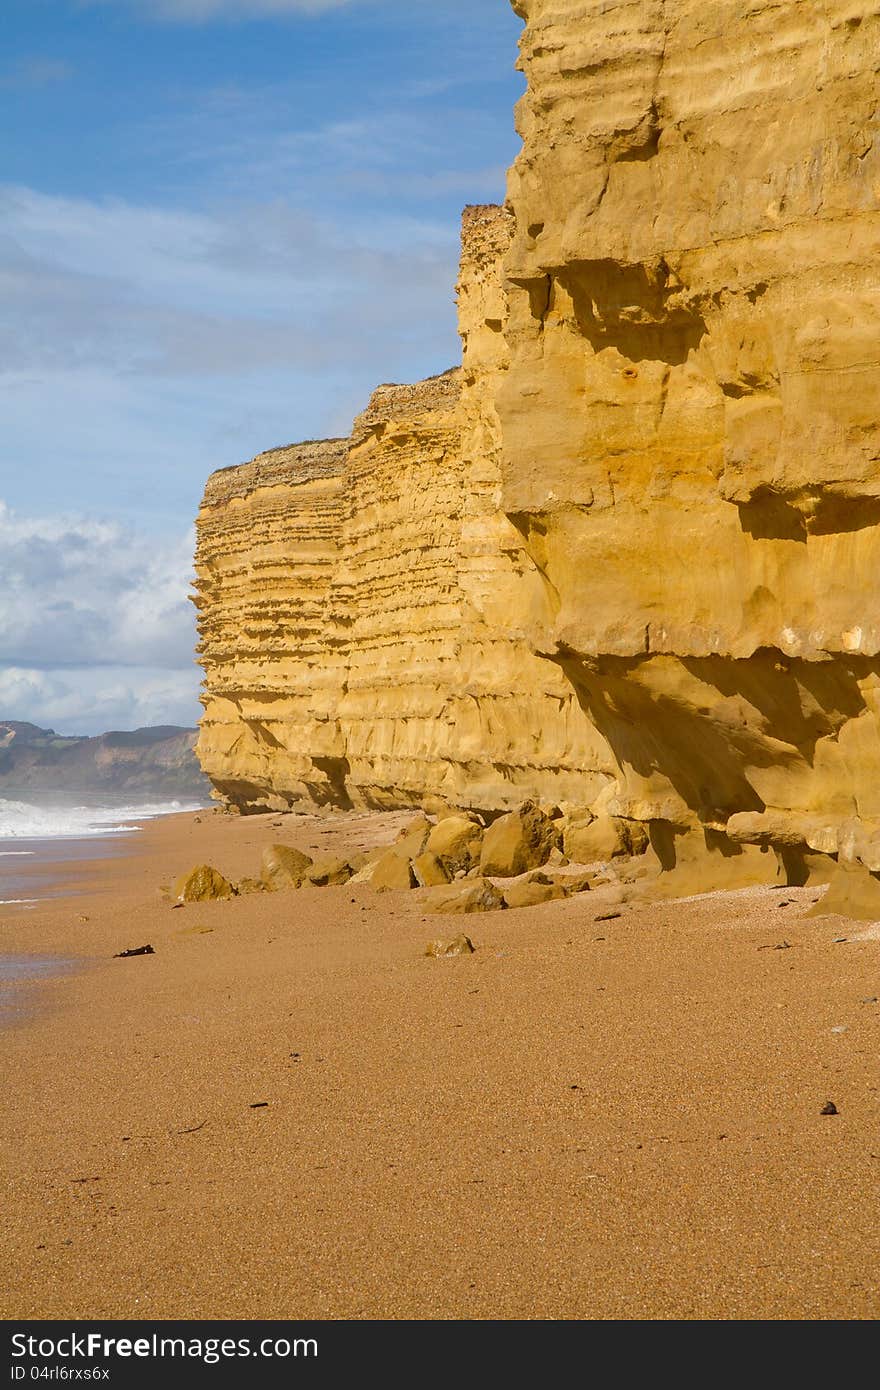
458,946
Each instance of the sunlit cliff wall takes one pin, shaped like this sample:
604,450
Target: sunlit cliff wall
629,550
363,604
691,416
267,546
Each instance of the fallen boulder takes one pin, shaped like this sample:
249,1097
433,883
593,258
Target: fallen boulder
202,884
391,872
517,842
580,883
284,866
474,895
412,838
326,873
852,892
250,885
439,807
429,870
604,838
531,894
455,841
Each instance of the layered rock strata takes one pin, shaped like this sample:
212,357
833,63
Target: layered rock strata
363,604
691,419
267,548
626,556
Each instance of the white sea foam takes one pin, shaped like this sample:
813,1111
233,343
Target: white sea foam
21,820
16,853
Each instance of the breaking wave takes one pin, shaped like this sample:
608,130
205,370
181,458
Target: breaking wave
22,820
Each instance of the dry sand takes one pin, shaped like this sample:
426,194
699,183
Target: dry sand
615,1119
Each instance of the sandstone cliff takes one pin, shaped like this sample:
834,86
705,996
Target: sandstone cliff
626,556
362,602
267,543
691,419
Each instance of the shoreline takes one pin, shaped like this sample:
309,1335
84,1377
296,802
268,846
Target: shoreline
289,1111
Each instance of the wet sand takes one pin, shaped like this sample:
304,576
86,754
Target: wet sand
585,1119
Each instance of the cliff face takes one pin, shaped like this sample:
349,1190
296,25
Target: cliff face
691,419
511,710
267,545
627,555
396,603
361,604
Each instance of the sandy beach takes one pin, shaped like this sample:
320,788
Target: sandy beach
289,1111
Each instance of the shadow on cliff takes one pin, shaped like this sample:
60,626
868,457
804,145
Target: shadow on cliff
634,308
701,724
770,515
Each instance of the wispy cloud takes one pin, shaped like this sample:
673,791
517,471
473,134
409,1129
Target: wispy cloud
96,629
198,11
91,701
77,590
156,292
34,72
159,343
283,234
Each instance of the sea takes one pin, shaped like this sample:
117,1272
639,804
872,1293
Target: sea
39,829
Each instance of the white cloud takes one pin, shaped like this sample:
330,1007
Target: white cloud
88,701
80,591
143,346
295,247
96,630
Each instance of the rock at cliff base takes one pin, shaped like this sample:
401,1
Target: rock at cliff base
364,872
853,892
202,884
580,881
572,884
284,866
458,946
517,842
392,872
328,872
429,870
455,841
697,860
476,895
526,894
419,825
412,839
604,838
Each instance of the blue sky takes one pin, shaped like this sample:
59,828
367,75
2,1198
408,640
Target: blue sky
222,222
